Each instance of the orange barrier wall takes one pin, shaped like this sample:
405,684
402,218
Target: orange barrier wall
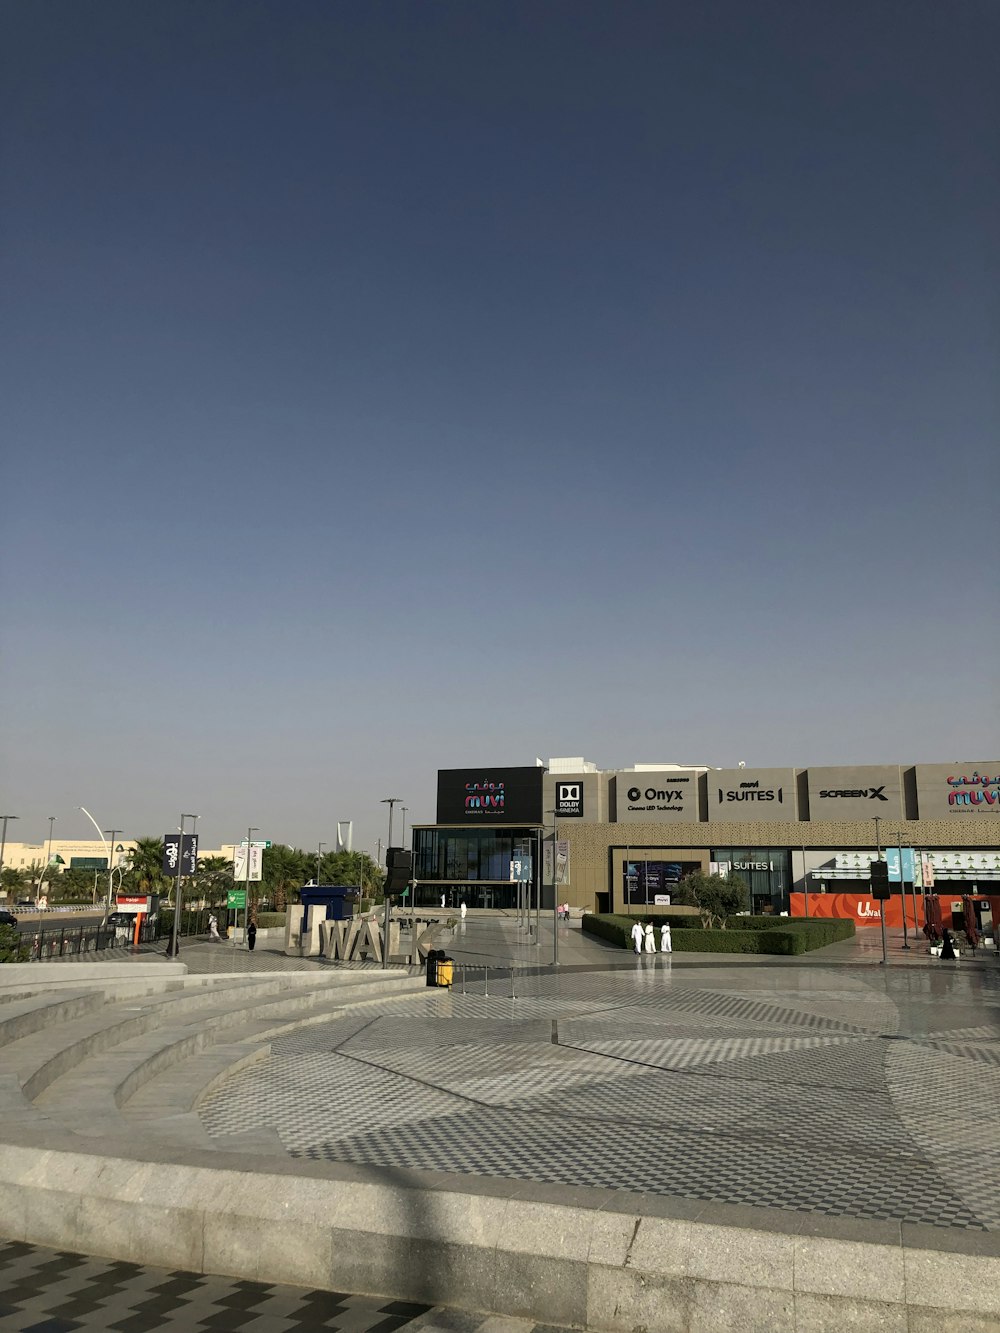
860,908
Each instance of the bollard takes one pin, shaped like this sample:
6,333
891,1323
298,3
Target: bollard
487,979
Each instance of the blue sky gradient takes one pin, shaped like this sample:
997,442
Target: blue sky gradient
389,387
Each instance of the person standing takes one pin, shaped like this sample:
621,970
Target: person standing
213,929
666,944
650,938
251,935
464,910
637,936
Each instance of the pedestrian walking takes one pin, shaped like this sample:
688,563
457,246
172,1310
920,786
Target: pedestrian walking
464,910
213,929
638,934
251,935
666,944
947,948
650,938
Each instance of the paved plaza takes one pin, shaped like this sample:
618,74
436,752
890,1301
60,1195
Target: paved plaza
50,1291
831,1092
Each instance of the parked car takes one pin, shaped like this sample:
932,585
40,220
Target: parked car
7,918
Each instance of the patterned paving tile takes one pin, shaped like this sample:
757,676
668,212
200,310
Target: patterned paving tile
817,1092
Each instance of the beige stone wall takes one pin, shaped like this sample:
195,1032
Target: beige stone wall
589,843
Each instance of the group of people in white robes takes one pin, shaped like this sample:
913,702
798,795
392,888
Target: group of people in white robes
644,938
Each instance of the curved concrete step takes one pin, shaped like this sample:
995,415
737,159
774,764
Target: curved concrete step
87,1097
180,1089
56,1042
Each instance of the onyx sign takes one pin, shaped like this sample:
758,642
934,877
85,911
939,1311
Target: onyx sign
657,796
489,796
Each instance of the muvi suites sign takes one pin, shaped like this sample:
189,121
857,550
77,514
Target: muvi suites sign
751,795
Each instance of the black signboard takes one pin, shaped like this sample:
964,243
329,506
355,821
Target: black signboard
171,850
489,796
569,798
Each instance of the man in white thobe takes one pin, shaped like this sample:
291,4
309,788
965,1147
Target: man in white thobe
666,945
638,934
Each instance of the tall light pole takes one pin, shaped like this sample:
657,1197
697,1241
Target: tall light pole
555,905
48,854
390,801
107,853
319,859
174,947
246,888
405,809
112,833
3,837
902,891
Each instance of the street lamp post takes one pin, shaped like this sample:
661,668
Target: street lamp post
246,889
405,810
174,948
390,801
555,905
112,833
319,859
3,837
107,853
881,906
902,891
48,854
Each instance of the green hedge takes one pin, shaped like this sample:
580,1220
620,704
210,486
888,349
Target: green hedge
267,920
764,934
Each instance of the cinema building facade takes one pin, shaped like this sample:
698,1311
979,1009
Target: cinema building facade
622,837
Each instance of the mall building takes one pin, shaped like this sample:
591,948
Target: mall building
601,839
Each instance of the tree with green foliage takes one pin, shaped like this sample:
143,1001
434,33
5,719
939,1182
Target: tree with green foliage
717,898
12,948
12,879
284,871
351,868
145,871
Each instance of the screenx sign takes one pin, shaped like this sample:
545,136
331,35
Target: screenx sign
657,796
569,799
855,793
751,796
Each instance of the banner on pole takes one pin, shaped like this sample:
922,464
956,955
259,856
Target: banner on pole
561,864
172,850
240,864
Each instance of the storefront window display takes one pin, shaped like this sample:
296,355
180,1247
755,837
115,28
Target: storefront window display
469,865
653,883
766,870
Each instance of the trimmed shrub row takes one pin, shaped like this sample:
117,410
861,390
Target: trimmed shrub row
794,935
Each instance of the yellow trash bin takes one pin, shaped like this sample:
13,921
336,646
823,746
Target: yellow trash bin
445,971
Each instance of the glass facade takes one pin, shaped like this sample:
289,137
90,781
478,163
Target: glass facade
767,870
469,865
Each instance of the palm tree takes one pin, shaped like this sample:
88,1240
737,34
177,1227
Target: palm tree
145,872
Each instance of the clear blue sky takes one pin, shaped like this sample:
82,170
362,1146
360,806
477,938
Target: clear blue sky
395,386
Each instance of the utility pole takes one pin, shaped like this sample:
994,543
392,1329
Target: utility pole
319,860
3,837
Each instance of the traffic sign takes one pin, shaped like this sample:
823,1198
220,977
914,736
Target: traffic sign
236,898
265,845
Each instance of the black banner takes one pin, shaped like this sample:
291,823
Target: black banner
171,850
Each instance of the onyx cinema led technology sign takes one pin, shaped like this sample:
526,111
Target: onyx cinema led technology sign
659,796
489,795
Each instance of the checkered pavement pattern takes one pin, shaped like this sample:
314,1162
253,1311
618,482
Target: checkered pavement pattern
49,1291
53,1291
822,1093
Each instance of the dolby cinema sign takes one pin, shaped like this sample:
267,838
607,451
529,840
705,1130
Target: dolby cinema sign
751,796
665,795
